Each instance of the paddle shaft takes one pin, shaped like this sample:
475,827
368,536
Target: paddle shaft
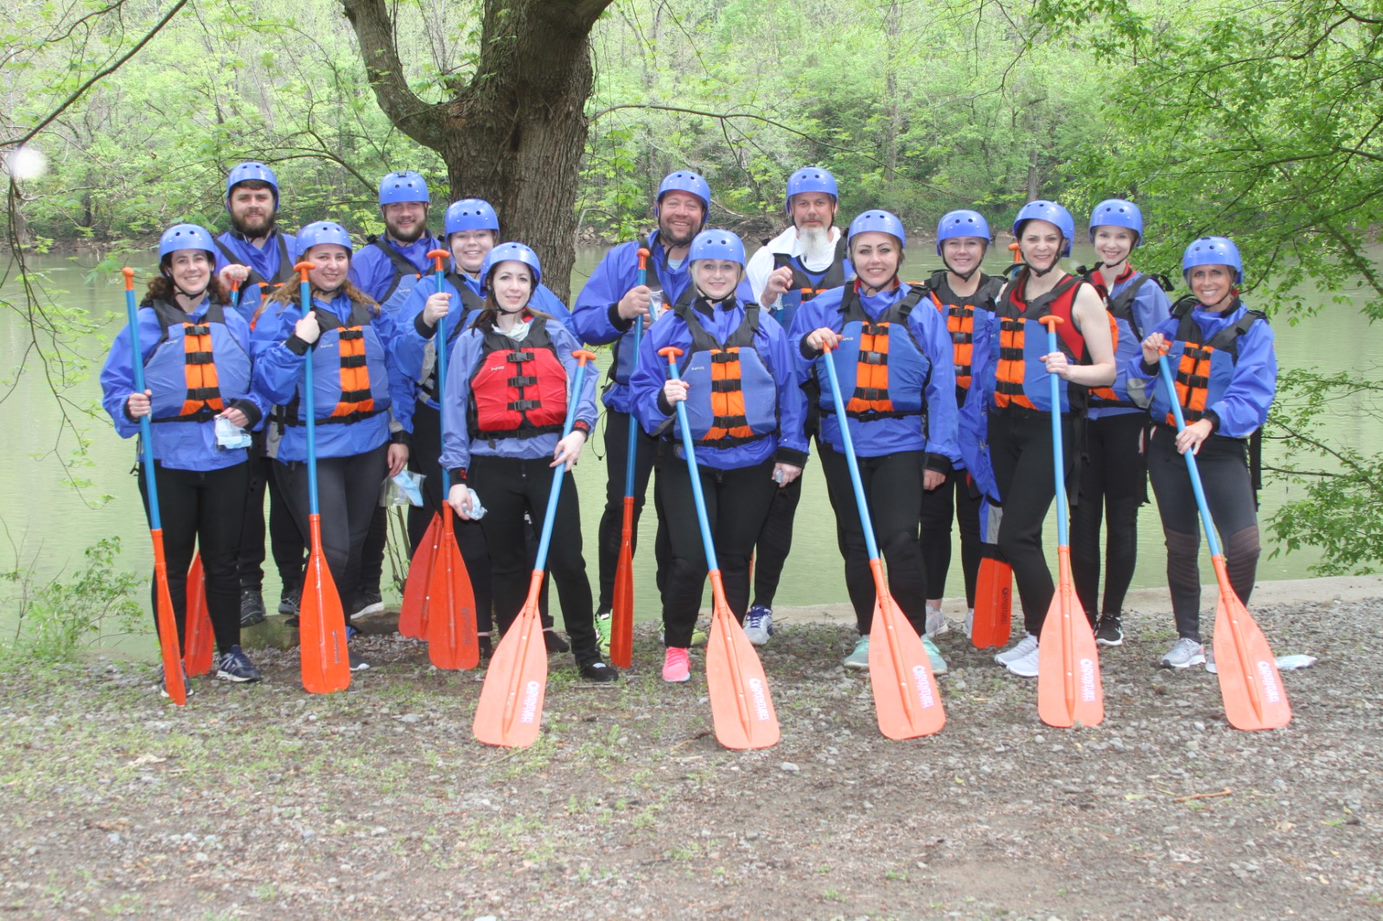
550,515
309,400
439,345
690,450
871,545
1063,538
146,430
632,453
1191,468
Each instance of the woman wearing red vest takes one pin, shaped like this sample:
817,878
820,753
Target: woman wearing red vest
508,387
1012,383
1225,364
196,355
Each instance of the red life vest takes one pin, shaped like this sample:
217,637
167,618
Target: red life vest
519,389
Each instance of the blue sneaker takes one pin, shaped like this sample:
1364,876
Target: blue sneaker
859,658
934,656
758,624
236,666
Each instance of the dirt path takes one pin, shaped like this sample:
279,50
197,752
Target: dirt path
261,802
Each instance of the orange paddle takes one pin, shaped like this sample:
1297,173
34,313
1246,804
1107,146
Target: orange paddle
201,639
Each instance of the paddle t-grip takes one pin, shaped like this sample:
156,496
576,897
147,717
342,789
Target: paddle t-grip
643,258
583,356
302,268
671,353
438,257
129,278
1051,322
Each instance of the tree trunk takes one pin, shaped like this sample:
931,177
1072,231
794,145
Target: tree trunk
892,28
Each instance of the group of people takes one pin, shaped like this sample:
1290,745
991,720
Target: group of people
945,386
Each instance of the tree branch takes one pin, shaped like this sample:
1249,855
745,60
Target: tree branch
375,32
725,116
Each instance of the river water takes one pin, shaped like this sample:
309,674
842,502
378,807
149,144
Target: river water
49,523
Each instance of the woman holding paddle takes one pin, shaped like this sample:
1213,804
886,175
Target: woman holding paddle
357,384
898,380
195,355
747,415
506,399
1224,362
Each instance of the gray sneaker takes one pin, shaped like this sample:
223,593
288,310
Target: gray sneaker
1018,650
936,622
859,659
1184,654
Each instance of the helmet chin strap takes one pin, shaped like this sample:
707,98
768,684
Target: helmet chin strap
193,296
963,276
1039,273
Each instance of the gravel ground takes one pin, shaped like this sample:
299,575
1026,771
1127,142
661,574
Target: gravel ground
262,802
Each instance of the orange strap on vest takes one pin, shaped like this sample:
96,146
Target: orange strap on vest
203,384
871,376
356,397
730,418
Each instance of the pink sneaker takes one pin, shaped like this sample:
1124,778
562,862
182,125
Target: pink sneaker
677,665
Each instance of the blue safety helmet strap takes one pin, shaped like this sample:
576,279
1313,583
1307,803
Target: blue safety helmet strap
253,171
955,225
717,244
878,221
512,252
1213,251
810,179
322,233
471,214
1116,212
403,186
185,236
1052,213
684,180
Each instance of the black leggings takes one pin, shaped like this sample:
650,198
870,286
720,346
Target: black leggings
737,503
1224,471
285,541
893,489
938,508
347,496
202,511
775,541
1113,484
509,488
611,528
424,458
1020,445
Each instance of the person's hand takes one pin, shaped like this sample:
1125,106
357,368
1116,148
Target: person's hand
138,405
461,499
308,329
437,306
1057,364
636,302
931,479
568,450
1193,436
675,391
236,417
779,283
233,274
398,459
819,339
1152,347
783,474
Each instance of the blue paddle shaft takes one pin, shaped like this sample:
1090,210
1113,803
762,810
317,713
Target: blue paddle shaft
690,450
1058,450
440,347
1191,468
309,404
865,521
146,432
551,514
632,454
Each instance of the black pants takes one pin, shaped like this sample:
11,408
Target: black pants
612,520
737,503
1113,484
952,499
1224,471
202,511
893,489
775,540
425,458
347,496
1020,445
285,541
509,488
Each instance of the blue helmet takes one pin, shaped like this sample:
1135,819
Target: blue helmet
1116,212
403,186
684,180
878,221
810,179
185,236
471,214
958,224
252,171
1213,251
1052,213
512,252
717,244
323,232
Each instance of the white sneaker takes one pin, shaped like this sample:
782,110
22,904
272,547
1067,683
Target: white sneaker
970,624
936,621
758,624
1184,654
1024,646
1024,666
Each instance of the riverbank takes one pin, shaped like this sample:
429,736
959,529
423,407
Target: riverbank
260,801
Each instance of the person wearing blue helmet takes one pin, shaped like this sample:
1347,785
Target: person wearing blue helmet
357,387
503,436
195,351
606,311
1010,402
1114,470
898,379
389,267
1224,359
961,293
751,440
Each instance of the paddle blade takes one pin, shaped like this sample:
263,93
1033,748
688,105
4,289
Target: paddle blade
1069,692
201,640
510,711
169,653
906,698
622,613
741,706
413,612
451,639
326,664
993,605
1249,681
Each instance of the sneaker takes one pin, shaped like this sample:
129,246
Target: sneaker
1184,654
554,642
487,647
934,656
1109,632
1024,666
289,600
236,666
859,659
970,624
163,686
370,602
936,621
598,672
358,663
603,622
1018,650
758,624
251,607
677,665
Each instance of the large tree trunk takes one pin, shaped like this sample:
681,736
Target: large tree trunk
516,133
